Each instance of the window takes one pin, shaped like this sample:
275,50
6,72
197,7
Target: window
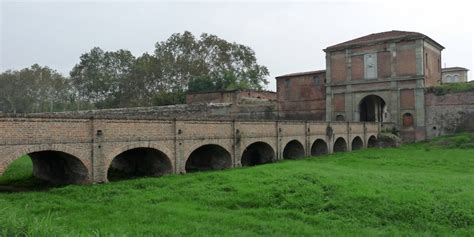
407,120
370,66
317,80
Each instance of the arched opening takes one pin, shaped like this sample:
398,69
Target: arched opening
293,150
319,147
44,169
372,142
357,144
407,120
340,145
372,108
257,153
139,162
208,157
340,118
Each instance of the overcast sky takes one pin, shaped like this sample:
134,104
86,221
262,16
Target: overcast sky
287,37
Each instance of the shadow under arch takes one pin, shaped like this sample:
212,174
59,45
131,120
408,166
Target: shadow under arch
53,167
372,142
139,162
357,143
293,150
257,153
208,157
319,147
340,145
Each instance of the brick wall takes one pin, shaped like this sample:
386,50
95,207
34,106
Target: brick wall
450,113
302,97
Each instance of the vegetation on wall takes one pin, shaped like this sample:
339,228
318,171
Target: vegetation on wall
450,88
110,79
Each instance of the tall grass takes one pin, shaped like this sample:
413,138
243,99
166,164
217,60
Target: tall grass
416,190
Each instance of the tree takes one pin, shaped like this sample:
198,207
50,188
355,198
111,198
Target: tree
34,89
101,76
190,63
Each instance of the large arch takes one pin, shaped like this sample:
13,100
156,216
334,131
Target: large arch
340,145
257,153
139,162
319,147
208,157
372,108
293,150
372,142
54,166
357,143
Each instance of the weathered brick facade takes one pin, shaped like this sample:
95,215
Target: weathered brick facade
69,149
379,77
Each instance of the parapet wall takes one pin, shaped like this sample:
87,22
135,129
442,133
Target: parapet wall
259,111
449,113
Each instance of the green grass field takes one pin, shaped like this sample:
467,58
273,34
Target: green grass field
416,190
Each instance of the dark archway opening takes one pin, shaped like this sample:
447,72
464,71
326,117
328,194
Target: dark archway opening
43,170
357,144
293,150
319,147
372,141
372,109
139,162
208,157
340,145
257,153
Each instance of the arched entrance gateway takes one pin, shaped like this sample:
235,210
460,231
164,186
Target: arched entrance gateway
373,108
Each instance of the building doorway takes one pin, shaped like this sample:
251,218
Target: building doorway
372,108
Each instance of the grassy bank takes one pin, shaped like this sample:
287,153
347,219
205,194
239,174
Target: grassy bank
419,189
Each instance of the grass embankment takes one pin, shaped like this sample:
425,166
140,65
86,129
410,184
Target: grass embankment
417,190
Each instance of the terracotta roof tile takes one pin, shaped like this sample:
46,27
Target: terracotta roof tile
380,37
302,73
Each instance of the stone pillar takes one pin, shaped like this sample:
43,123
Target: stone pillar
180,160
328,88
236,146
99,169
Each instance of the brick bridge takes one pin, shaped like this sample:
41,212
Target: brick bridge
94,150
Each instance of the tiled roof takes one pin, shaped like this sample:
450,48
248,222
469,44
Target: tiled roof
302,73
381,37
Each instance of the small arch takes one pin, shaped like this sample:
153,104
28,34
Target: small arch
293,150
357,143
257,153
208,157
340,145
57,167
372,142
139,162
407,120
319,147
340,118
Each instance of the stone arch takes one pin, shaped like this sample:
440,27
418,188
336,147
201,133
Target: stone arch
357,143
319,147
372,108
257,153
139,162
56,164
372,141
340,118
293,150
208,157
340,145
